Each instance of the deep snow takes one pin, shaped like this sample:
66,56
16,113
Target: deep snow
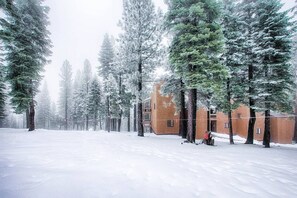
100,164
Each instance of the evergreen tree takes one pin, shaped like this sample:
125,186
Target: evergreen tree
3,94
140,44
43,108
233,90
95,102
78,102
106,59
294,10
249,17
87,75
197,41
275,80
26,44
65,92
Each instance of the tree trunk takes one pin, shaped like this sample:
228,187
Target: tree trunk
121,111
295,129
182,120
134,123
229,112
266,138
32,116
27,118
192,115
140,116
252,120
108,116
95,121
207,119
129,119
87,122
120,121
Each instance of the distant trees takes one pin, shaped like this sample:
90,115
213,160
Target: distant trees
43,109
65,99
95,103
86,83
106,70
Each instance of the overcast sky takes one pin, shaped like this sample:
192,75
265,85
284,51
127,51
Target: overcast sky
77,30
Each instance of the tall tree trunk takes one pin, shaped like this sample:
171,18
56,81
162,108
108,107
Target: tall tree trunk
182,116
87,122
229,112
134,121
140,117
207,119
252,120
28,118
32,116
192,115
129,120
266,138
120,121
295,129
66,114
121,111
32,110
108,115
95,121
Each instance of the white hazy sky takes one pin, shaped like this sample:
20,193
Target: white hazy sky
77,30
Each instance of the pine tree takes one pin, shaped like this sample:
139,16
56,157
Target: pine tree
140,42
294,9
197,41
106,59
78,102
275,80
87,75
65,92
43,108
233,90
26,44
249,17
2,95
95,102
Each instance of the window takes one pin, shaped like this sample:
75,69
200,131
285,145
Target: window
154,106
147,117
239,115
226,125
170,123
258,131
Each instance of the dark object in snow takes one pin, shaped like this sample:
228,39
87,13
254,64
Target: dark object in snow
208,140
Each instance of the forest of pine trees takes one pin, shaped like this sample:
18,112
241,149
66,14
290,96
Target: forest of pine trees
221,53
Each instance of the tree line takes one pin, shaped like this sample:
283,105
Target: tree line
227,53
221,53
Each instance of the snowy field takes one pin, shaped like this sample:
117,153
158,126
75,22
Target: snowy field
59,164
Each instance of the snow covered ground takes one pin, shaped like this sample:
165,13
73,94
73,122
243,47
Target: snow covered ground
100,164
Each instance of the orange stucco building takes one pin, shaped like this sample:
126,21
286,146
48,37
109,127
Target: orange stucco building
164,120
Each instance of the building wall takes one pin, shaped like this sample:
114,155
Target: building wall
282,129
163,110
201,123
